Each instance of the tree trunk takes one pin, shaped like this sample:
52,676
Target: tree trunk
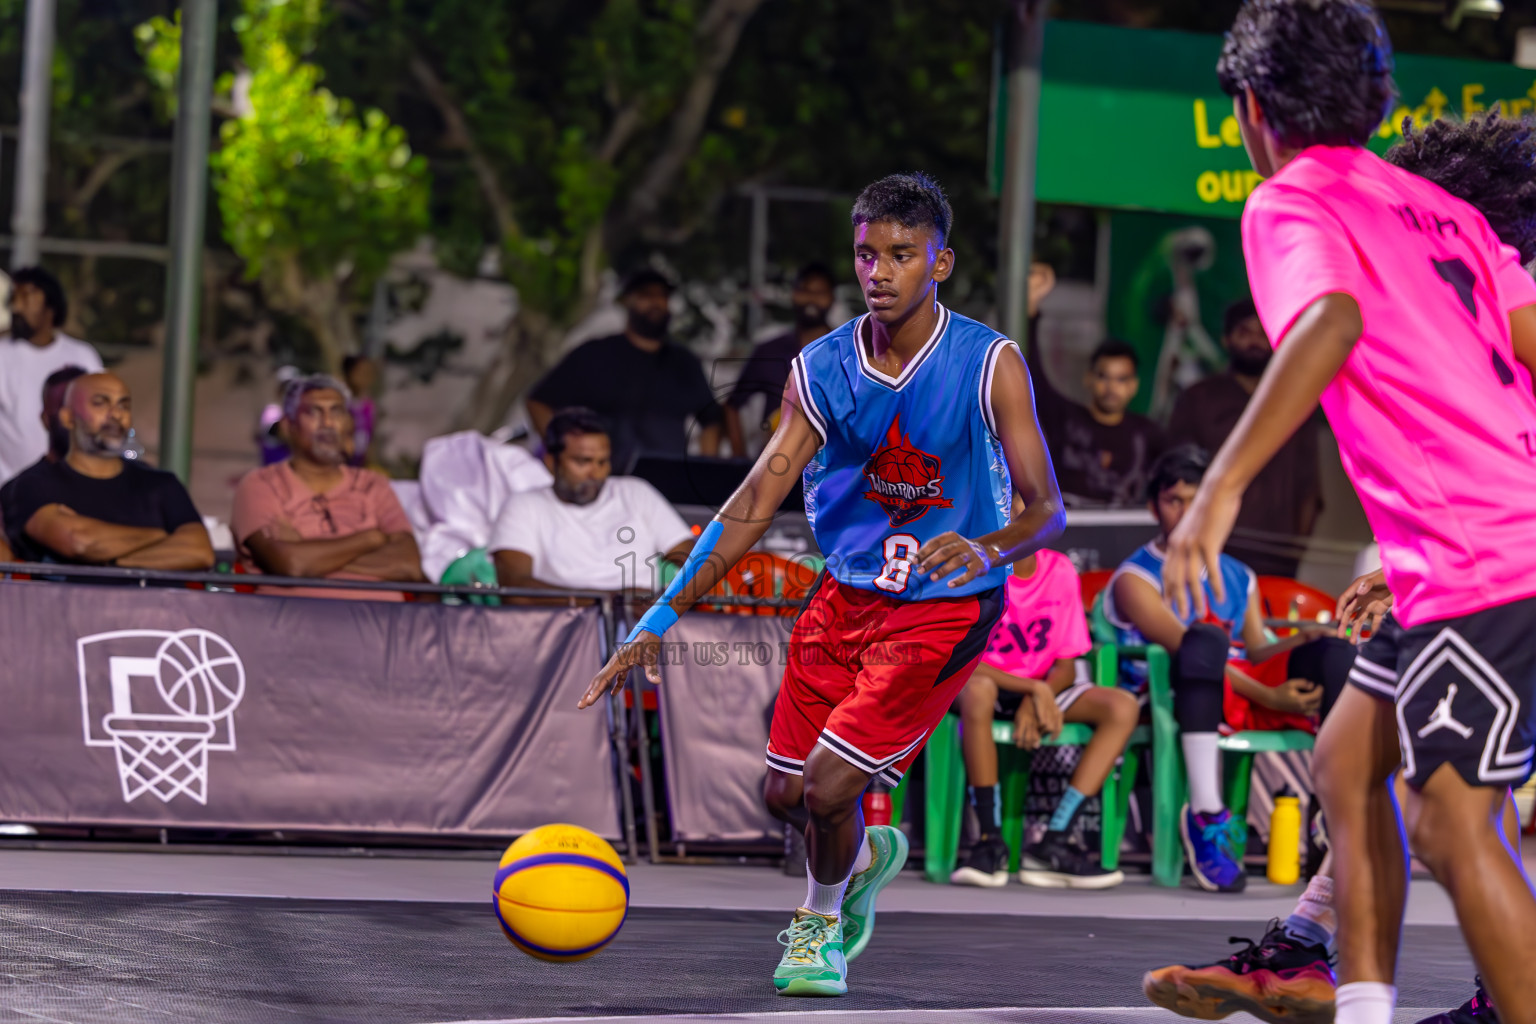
528,348
319,303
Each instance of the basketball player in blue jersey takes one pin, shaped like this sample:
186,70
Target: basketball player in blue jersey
913,427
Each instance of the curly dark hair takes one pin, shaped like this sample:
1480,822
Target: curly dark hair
911,200
576,419
1114,348
1488,161
1321,70
1185,464
53,292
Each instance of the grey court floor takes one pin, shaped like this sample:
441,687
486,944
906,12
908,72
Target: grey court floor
91,937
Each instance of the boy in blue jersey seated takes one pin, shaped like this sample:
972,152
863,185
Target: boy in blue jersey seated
1227,674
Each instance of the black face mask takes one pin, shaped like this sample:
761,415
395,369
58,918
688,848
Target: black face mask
21,327
1250,364
653,327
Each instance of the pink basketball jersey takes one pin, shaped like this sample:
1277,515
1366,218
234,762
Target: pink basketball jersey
1435,417
1044,620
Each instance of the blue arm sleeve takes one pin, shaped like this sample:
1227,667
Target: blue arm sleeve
660,617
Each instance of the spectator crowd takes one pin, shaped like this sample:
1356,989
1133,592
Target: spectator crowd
315,508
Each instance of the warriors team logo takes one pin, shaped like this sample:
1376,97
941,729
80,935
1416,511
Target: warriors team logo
904,481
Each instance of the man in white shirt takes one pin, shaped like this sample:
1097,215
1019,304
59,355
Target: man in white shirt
586,530
36,348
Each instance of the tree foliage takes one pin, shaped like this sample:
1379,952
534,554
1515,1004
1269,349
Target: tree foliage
569,135
314,196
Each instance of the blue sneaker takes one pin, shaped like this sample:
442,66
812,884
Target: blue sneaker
1214,845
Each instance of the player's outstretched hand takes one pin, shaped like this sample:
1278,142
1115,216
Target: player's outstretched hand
948,553
645,650
1367,601
1194,550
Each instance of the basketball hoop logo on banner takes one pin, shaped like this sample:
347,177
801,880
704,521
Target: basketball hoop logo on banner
161,700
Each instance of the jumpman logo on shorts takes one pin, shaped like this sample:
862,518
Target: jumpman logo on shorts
1443,718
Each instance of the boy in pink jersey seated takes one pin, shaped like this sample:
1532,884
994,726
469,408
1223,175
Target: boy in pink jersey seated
1031,673
1395,304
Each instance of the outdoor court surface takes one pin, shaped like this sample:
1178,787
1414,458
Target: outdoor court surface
167,937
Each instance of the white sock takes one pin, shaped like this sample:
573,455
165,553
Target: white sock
1202,763
865,856
826,900
1364,1002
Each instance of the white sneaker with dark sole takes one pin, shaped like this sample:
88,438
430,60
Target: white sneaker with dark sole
1056,863
986,865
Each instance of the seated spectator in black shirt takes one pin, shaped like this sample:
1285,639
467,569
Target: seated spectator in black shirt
94,507
1282,504
644,385
1101,451
768,367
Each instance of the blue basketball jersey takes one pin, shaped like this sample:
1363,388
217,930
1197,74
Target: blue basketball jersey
1147,562
903,459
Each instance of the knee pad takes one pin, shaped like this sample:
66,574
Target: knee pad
1203,653
1199,668
1325,661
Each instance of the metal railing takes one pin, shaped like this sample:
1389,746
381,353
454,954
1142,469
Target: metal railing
627,725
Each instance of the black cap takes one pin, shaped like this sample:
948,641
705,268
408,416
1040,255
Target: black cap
643,278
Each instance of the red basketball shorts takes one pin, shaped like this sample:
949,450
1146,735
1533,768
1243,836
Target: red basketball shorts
869,677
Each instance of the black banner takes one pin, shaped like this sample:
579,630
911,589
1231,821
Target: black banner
172,707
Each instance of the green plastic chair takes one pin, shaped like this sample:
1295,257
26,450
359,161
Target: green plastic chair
1170,783
946,784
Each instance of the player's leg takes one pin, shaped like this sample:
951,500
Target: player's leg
813,962
1212,835
1113,713
1479,1009
1055,861
916,659
834,836
1456,830
784,794
1356,757
1466,715
1286,975
985,863
815,680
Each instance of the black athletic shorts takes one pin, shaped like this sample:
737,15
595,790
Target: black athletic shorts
1465,692
1009,701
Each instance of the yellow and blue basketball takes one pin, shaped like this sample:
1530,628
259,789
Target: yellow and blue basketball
561,893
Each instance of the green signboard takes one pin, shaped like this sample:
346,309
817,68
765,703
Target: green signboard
1134,118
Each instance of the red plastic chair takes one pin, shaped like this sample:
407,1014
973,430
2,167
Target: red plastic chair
1093,583
1279,597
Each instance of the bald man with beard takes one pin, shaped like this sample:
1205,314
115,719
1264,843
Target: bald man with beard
93,507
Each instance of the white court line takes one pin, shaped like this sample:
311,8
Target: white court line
917,1016
999,1014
